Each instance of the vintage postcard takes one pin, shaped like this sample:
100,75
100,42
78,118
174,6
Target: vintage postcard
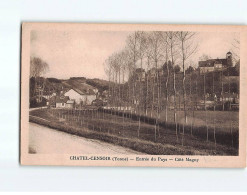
148,95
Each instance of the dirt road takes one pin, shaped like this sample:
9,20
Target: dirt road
44,140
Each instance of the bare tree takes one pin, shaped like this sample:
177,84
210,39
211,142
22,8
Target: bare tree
130,73
147,79
166,44
236,48
113,70
187,49
204,57
108,71
155,44
37,68
132,47
173,43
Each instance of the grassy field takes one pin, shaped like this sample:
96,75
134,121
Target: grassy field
134,132
220,119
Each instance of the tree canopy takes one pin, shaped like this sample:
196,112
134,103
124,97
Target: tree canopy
37,67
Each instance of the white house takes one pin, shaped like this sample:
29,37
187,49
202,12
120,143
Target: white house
48,96
211,65
70,104
80,97
61,101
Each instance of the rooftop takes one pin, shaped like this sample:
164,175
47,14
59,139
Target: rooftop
211,62
62,99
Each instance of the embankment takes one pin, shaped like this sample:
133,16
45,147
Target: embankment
132,143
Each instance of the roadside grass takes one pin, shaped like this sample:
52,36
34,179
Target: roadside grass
224,135
124,132
221,119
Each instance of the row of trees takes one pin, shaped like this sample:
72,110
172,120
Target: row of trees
154,73
149,50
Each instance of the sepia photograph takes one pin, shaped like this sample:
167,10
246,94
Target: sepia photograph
112,95
123,96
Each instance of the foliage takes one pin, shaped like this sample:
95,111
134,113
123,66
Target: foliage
37,67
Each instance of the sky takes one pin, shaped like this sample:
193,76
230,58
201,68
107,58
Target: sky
72,54
82,54
214,44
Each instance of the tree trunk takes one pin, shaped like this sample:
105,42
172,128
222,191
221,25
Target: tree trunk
167,80
222,91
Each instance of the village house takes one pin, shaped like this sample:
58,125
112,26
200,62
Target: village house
60,102
85,97
64,102
48,95
211,65
70,104
232,97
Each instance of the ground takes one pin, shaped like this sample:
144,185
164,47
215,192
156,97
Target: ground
223,119
43,140
143,137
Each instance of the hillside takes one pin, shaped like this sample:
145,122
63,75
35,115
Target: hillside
81,83
100,84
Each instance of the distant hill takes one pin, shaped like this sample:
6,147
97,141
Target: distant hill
80,83
54,80
100,84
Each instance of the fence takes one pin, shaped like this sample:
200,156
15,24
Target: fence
130,125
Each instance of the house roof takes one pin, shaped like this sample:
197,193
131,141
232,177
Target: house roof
211,62
80,86
70,102
62,99
84,91
78,91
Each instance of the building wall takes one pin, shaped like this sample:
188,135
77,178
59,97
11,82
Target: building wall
206,69
60,105
49,96
69,106
217,66
74,95
87,99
